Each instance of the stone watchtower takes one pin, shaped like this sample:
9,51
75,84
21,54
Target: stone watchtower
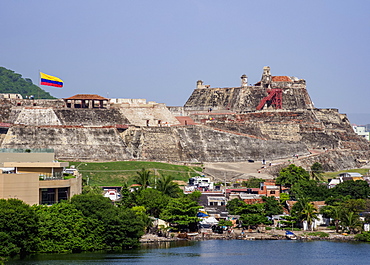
244,79
266,78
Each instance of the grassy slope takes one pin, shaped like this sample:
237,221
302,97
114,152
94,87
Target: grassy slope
331,175
115,173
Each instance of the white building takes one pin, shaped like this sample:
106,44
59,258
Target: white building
361,130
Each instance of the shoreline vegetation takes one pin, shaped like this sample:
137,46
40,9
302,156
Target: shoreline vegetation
237,234
90,222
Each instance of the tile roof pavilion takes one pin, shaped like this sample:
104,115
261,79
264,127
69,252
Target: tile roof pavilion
86,101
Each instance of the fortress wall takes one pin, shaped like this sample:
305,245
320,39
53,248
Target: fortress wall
204,144
70,143
158,114
249,98
160,143
201,144
44,103
127,101
91,117
245,99
274,125
7,113
45,116
338,126
296,98
11,116
133,137
328,116
177,111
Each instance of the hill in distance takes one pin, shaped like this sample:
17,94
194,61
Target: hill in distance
11,82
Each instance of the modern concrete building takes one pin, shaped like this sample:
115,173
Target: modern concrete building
361,131
36,178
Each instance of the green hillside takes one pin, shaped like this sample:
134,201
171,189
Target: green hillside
11,82
116,173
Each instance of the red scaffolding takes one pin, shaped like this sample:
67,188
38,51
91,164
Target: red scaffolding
274,98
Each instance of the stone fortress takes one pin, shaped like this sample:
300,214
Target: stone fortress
272,119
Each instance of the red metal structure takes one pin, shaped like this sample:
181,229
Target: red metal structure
275,98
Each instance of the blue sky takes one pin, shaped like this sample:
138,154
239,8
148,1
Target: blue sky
157,50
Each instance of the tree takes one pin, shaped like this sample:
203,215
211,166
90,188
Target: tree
92,205
18,228
358,189
284,197
181,212
291,175
122,227
252,183
254,219
272,206
305,211
11,82
94,190
310,189
288,220
333,212
234,205
317,171
166,185
224,222
354,205
128,198
63,228
309,214
351,220
143,177
153,200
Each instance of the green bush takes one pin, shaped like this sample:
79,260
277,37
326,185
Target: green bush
364,236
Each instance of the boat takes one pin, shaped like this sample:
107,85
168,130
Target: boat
290,235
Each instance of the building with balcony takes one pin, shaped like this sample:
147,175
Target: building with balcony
36,178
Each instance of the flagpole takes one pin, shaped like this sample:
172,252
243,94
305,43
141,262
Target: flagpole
38,91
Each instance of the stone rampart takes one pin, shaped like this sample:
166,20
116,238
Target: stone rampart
202,144
91,117
70,143
245,99
156,115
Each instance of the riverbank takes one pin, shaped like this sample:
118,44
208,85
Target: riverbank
240,235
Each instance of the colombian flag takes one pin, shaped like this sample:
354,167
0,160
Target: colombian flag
48,80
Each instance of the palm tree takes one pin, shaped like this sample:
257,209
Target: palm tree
352,221
166,185
307,212
334,212
143,178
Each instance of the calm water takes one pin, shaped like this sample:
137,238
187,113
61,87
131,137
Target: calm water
221,252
